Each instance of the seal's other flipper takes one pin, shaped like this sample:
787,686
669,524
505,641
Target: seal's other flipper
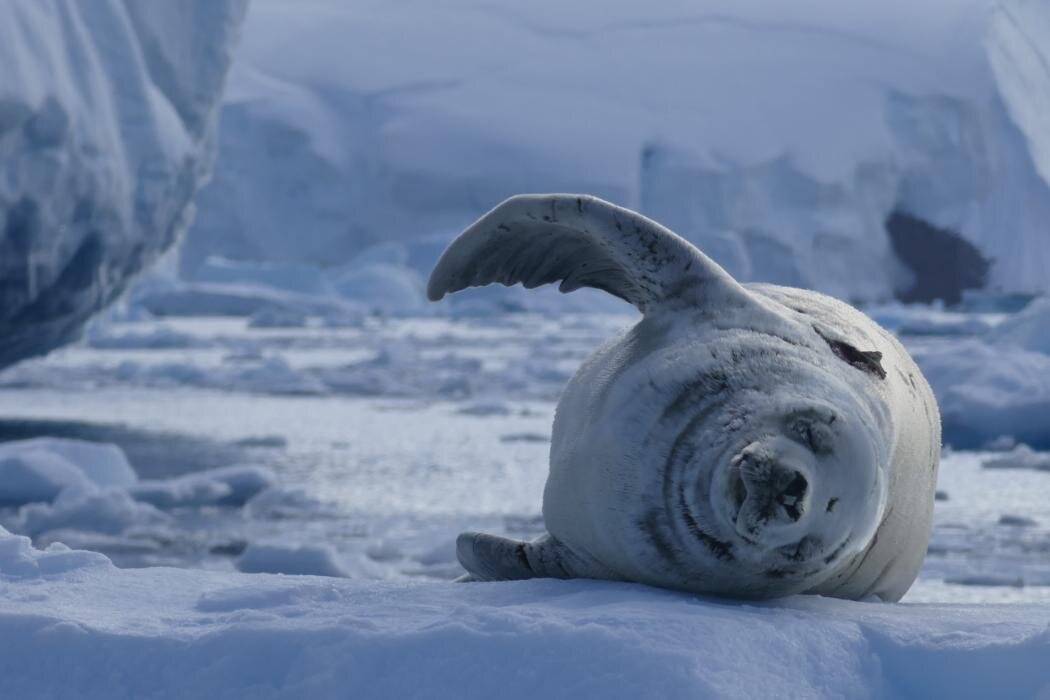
492,558
581,241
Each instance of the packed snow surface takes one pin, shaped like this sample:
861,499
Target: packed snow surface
778,137
165,632
107,121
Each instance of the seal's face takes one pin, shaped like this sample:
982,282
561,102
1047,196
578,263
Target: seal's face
800,489
775,471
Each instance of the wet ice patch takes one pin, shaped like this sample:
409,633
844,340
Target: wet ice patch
1017,521
263,441
156,338
525,437
484,409
993,580
278,317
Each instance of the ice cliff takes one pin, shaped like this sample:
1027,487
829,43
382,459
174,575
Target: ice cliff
779,137
107,126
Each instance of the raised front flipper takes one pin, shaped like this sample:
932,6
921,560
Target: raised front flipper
581,241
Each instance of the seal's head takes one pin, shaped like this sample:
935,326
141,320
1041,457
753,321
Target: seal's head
751,463
800,489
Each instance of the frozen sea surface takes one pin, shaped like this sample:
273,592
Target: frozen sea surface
389,437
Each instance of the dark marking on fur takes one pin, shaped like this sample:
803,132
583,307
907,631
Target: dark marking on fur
812,429
722,550
869,361
838,550
832,502
523,559
653,529
801,550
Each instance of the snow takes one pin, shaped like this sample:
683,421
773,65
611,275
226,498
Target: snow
36,476
1020,457
234,485
778,138
108,511
988,362
39,469
107,121
178,633
1028,330
87,493
303,559
987,391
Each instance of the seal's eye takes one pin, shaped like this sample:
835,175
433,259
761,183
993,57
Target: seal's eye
812,430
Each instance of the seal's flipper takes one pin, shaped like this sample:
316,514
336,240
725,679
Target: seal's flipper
581,241
492,558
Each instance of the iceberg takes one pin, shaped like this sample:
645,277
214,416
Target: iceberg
107,129
781,139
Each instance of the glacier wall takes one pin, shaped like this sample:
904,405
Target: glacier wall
107,126
777,136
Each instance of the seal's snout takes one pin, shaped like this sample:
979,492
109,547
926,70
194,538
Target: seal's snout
770,496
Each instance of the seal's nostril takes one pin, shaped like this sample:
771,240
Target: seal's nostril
791,497
737,490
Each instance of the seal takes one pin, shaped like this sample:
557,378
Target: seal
749,441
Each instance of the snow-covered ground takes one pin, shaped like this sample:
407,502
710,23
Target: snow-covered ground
72,625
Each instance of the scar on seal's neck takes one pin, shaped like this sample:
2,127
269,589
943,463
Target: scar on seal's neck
869,361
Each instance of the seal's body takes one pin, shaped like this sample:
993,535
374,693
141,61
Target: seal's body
750,441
